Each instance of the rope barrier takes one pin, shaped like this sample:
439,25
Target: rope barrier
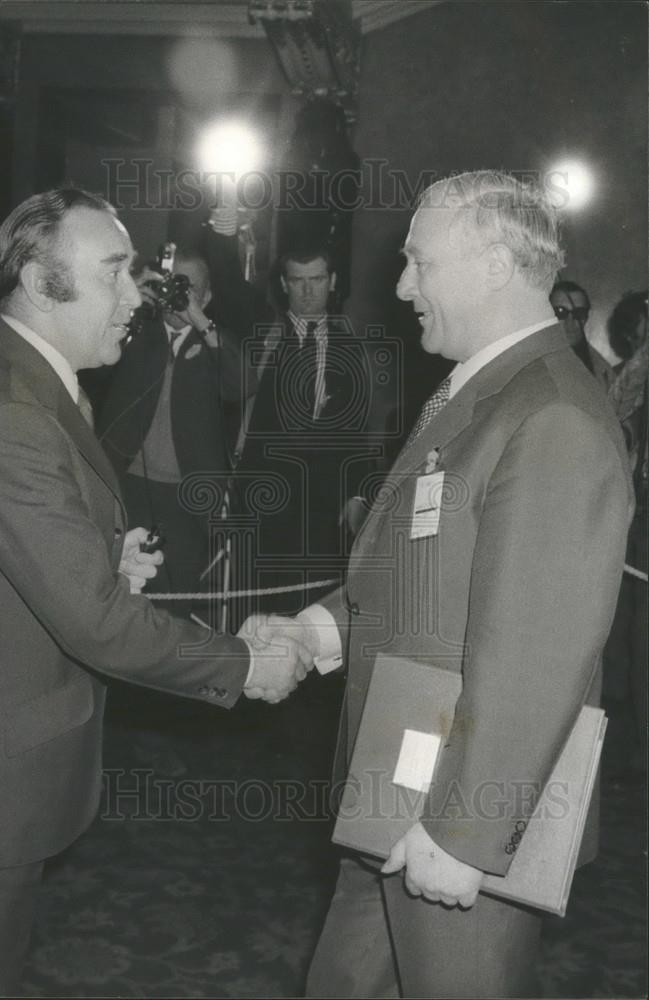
637,573
222,595
265,591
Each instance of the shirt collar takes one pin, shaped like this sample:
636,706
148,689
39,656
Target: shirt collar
300,324
461,374
54,358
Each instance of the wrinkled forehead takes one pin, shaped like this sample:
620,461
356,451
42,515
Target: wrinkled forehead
434,229
92,235
308,269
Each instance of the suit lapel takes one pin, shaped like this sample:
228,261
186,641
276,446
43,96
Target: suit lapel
456,416
42,384
71,419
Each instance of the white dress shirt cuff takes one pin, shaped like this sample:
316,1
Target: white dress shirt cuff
330,654
252,662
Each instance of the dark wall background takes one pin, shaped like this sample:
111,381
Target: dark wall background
512,85
85,100
463,85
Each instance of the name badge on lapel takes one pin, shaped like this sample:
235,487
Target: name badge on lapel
427,506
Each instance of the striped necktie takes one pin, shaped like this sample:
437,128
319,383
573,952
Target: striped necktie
433,405
309,363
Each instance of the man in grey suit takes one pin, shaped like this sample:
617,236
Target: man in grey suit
513,586
70,572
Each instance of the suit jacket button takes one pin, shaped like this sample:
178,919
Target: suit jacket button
118,532
203,690
509,849
521,826
516,837
217,692
354,608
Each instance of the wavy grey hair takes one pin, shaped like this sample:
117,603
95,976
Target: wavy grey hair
494,207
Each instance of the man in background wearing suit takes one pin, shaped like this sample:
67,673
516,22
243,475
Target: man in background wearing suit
70,573
162,419
514,587
306,425
571,306
305,430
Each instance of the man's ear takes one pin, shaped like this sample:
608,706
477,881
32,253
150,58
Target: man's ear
500,265
332,281
33,281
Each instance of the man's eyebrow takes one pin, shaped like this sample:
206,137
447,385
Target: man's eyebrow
115,258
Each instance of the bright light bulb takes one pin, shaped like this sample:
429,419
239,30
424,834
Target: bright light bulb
570,185
228,148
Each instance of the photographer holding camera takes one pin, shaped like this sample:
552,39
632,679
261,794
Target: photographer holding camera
163,419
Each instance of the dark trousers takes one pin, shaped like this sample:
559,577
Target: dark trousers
19,887
380,942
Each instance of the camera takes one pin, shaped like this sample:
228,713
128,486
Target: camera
172,290
154,540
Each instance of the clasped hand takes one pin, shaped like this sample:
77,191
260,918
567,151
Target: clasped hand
431,872
282,655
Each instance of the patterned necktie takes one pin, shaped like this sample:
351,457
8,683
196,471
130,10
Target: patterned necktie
430,409
85,406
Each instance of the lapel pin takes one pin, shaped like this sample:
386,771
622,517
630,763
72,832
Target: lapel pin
431,460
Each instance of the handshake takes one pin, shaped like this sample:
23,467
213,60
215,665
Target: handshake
282,653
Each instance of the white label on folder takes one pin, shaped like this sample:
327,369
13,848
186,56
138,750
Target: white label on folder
416,761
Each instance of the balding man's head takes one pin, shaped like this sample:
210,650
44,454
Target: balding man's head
481,254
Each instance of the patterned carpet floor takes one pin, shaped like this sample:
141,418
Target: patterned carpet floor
209,869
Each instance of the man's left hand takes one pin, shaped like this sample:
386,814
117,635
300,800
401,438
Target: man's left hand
431,872
136,566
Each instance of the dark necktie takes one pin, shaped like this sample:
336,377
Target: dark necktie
430,409
173,337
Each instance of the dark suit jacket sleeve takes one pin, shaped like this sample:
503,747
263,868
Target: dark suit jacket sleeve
61,564
237,380
336,605
236,303
546,571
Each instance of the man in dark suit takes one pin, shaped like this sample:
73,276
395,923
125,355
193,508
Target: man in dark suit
513,586
69,570
571,306
305,431
163,419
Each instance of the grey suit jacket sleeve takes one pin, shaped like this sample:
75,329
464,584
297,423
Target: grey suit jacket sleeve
545,576
56,525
